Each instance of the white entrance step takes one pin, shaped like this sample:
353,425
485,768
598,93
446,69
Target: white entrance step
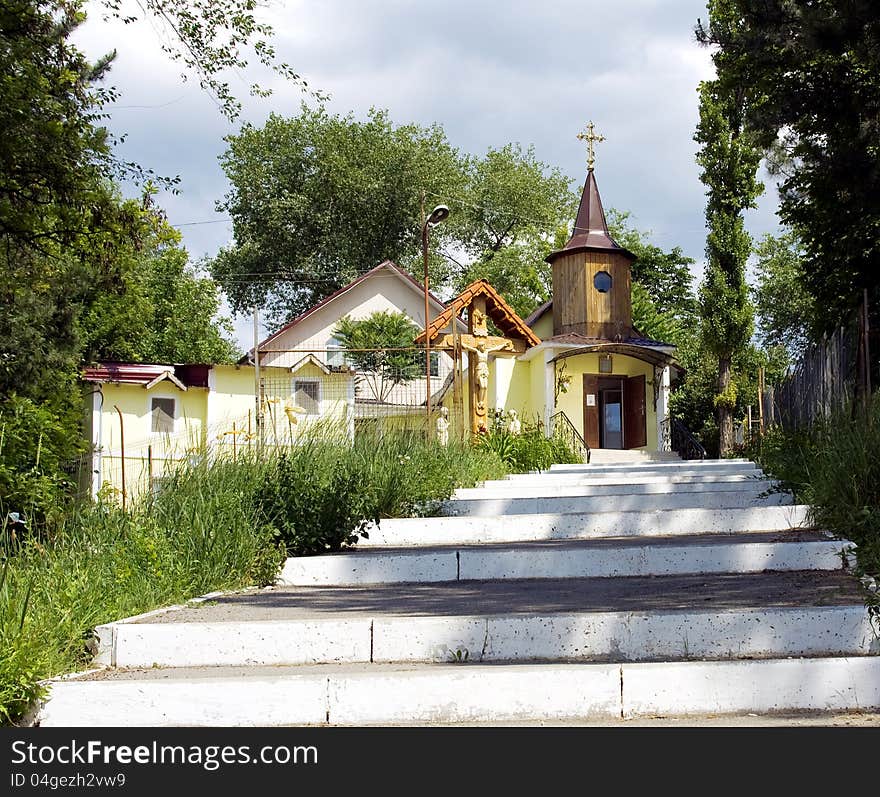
693,472
600,558
604,455
461,693
592,466
441,530
628,502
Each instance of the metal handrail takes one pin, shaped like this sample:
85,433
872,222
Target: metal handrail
681,439
562,427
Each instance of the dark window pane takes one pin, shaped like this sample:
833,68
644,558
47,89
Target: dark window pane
602,282
307,395
162,410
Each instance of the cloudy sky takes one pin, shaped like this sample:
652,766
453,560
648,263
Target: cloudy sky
488,72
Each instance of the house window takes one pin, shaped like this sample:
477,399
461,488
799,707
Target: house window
602,281
605,364
335,353
307,394
162,415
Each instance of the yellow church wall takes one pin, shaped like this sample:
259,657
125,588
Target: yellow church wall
572,402
536,405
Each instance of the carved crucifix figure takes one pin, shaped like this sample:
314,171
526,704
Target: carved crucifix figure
481,348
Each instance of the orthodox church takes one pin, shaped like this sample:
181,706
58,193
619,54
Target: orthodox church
577,358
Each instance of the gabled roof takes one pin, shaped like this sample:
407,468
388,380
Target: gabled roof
309,359
147,375
590,233
386,265
502,314
538,313
655,352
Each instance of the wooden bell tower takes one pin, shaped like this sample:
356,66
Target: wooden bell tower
591,273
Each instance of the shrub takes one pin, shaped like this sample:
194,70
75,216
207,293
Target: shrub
835,468
322,494
529,450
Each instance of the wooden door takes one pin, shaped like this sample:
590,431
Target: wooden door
635,431
591,410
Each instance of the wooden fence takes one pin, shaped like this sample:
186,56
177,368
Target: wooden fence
829,377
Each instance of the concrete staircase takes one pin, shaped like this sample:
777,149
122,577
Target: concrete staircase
589,592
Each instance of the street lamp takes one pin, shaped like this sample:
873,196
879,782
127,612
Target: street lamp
438,214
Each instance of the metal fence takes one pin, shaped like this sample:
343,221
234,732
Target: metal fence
367,389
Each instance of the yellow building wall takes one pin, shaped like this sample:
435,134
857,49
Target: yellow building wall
220,420
146,453
543,327
536,390
509,385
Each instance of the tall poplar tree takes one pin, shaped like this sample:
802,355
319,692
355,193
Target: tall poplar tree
728,161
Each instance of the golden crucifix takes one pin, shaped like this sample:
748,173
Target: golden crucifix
591,137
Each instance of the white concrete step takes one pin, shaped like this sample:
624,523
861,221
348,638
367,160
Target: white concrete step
452,693
589,636
628,477
717,616
646,556
574,467
721,499
537,489
395,532
616,455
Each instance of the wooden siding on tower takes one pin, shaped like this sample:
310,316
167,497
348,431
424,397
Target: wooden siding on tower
569,295
579,308
608,314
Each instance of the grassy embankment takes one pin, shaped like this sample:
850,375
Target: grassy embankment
214,525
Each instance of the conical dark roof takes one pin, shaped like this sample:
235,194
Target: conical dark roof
590,233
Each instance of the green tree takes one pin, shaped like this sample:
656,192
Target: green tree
808,75
210,39
318,199
665,276
163,311
728,161
653,322
507,223
380,347
786,310
54,156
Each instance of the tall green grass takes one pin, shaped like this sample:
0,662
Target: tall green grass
834,466
101,563
214,525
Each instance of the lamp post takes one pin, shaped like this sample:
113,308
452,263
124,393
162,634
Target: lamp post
438,214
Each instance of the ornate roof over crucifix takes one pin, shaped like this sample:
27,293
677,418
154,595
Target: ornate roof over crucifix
502,314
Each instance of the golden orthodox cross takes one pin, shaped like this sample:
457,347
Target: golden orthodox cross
591,137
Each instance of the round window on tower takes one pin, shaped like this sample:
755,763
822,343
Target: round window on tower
602,282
